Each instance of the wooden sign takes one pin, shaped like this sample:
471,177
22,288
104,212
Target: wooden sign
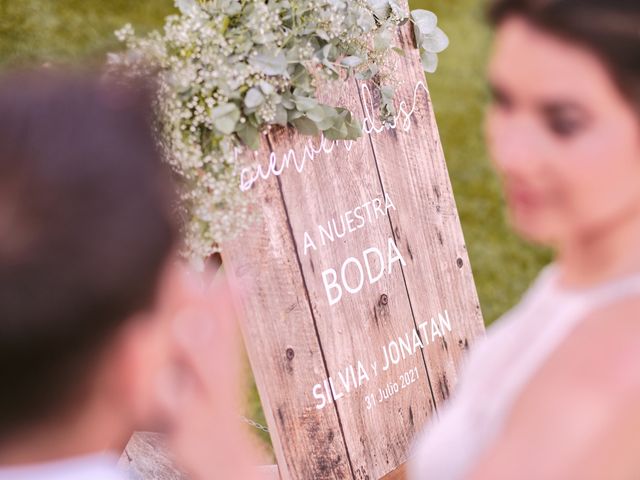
362,298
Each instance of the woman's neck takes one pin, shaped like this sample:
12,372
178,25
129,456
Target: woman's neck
611,252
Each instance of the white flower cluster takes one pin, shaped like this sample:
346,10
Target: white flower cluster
228,69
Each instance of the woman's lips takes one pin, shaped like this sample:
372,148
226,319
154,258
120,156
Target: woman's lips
523,198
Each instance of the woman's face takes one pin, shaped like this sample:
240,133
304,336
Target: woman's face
564,140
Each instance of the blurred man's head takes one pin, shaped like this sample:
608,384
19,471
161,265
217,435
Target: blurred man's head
87,240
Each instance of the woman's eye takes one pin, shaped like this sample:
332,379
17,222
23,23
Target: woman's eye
501,102
564,127
564,121
499,98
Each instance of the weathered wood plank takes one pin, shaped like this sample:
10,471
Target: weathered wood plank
146,457
358,326
305,334
412,169
282,344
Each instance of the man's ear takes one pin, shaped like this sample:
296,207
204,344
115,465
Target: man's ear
144,351
138,356
141,359
124,366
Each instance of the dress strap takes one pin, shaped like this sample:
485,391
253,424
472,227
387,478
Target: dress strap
598,295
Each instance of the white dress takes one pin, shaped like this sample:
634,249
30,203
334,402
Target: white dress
498,366
96,466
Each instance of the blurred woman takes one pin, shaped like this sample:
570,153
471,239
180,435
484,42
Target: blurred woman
553,391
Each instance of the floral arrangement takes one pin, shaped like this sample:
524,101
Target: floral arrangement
227,70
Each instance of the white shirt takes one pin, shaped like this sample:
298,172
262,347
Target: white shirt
98,466
498,366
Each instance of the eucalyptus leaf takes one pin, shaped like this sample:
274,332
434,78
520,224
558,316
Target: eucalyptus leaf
328,52
387,92
264,38
293,115
225,118
397,9
354,130
429,61
424,21
281,116
305,126
351,61
382,40
269,64
323,34
231,7
330,70
287,101
328,117
435,42
380,8
387,107
301,78
254,98
250,136
253,120
224,109
367,73
365,21
339,131
316,114
226,125
266,88
187,7
304,104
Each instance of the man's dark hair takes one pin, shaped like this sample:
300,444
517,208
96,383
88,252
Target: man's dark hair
86,227
608,28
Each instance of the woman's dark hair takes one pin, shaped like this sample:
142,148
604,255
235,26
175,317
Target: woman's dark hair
86,227
609,28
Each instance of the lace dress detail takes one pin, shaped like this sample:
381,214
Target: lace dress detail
499,365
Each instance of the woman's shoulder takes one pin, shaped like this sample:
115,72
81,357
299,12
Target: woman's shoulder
599,358
608,341
597,362
584,396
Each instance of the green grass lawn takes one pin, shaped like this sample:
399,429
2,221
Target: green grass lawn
39,31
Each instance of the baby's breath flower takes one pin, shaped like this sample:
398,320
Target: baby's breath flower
211,54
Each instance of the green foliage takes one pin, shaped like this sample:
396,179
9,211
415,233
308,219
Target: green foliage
231,69
431,39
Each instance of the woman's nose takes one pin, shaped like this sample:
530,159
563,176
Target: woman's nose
516,146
